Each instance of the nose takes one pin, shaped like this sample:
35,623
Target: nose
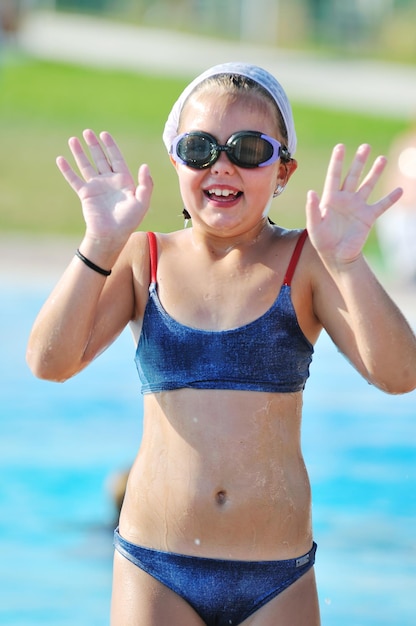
222,165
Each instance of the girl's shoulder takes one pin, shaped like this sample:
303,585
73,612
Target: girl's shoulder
287,237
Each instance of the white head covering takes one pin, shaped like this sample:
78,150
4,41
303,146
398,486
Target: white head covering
259,75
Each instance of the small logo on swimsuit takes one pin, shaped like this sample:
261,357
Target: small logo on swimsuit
303,560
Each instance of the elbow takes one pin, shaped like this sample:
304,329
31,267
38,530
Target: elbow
398,390
397,385
405,387
407,380
44,369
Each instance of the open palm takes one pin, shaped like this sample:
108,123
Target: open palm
339,222
112,204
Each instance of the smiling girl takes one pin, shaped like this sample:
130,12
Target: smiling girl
216,523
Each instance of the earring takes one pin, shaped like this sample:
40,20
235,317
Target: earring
187,217
279,190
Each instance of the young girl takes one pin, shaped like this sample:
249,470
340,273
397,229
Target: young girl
216,523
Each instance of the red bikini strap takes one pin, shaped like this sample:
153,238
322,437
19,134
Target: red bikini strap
295,258
151,237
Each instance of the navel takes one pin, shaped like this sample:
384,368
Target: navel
221,497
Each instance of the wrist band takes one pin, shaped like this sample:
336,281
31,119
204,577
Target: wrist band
92,265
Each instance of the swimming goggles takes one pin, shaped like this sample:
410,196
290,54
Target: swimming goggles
247,148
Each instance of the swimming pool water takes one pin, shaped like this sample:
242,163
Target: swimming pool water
59,444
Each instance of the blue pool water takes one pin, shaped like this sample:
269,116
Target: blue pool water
59,444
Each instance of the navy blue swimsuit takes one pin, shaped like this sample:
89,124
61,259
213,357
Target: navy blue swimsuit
223,592
270,354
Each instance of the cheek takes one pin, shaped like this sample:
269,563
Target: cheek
263,182
189,181
261,189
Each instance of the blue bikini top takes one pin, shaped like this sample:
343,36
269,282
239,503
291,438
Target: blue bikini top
270,354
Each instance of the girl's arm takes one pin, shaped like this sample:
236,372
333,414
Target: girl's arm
87,310
348,300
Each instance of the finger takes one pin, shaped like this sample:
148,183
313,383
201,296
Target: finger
357,167
334,171
115,157
313,212
97,153
385,203
372,177
81,159
145,186
68,173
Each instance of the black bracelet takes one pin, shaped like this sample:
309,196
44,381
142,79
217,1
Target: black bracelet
92,265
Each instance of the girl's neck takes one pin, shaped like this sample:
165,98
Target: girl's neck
221,245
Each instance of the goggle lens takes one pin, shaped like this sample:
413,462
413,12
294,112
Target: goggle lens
245,149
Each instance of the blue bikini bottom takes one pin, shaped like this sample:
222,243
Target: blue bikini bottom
223,592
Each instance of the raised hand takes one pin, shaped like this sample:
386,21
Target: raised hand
113,206
339,222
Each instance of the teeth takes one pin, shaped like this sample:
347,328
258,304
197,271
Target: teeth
222,192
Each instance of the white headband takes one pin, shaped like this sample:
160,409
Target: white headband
259,75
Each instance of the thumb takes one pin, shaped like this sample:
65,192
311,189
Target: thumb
313,211
145,187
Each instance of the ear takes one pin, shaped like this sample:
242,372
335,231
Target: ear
286,169
292,167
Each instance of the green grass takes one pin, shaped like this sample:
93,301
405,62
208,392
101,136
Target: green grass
42,104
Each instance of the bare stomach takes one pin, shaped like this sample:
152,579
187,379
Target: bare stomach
220,474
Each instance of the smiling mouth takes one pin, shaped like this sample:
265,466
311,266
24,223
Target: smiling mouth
223,194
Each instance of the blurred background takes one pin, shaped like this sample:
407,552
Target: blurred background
349,70
381,28
65,65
